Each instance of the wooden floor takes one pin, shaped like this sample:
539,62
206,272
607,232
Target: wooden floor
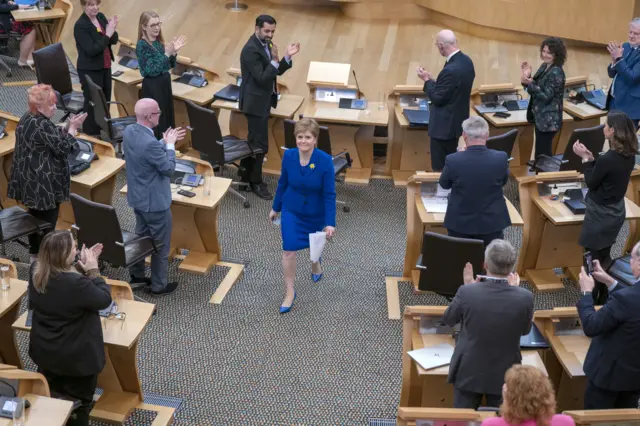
383,53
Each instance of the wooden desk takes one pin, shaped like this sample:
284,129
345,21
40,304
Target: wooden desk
409,150
620,416
9,307
429,388
561,327
409,415
7,146
287,107
551,232
48,23
584,116
195,221
44,411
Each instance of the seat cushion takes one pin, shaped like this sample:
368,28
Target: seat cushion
138,250
73,102
236,149
18,223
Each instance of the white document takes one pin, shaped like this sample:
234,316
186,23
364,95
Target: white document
435,204
317,241
441,192
433,356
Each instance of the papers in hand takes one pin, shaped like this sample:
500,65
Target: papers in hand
317,241
433,356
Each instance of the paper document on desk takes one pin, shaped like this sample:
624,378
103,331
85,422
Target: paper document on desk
317,241
435,204
433,356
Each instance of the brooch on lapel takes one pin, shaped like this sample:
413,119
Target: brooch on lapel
312,166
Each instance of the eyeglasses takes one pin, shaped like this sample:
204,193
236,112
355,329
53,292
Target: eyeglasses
158,25
156,113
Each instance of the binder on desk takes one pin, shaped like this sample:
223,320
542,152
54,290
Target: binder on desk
533,340
416,118
596,98
230,93
490,107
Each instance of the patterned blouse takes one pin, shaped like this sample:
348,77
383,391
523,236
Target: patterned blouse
40,176
152,60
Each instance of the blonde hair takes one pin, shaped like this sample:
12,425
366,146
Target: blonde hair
145,17
307,125
53,258
40,95
529,396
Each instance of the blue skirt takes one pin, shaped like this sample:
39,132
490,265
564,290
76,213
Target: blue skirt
296,229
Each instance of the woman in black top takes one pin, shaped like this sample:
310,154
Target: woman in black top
546,91
66,341
94,36
156,58
607,179
40,177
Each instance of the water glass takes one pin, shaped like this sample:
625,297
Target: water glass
207,185
41,5
5,283
18,412
381,101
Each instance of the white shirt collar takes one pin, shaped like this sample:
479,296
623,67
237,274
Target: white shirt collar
452,53
260,41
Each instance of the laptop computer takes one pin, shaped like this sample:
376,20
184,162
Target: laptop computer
230,93
596,98
533,340
417,118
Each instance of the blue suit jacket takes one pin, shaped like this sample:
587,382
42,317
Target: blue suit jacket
313,195
476,177
613,360
149,168
627,85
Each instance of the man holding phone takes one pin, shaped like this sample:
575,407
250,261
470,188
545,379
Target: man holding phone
612,365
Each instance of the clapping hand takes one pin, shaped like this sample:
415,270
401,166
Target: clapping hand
88,260
615,50
467,274
514,279
275,56
423,74
525,69
581,151
176,44
96,249
112,25
172,135
292,49
75,122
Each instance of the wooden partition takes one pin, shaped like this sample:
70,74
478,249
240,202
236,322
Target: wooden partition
408,416
626,417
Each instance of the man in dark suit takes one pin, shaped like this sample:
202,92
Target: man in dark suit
450,96
612,365
260,63
624,93
494,312
477,208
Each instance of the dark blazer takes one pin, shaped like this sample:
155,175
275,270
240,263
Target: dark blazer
450,96
494,315
257,95
66,334
546,96
476,177
313,195
613,360
91,44
5,14
627,85
40,176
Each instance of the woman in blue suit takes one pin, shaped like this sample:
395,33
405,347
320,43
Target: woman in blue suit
306,196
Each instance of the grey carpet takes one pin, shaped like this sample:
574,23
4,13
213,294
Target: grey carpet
334,360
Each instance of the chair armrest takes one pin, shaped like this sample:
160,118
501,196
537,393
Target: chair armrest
342,154
419,264
135,240
119,103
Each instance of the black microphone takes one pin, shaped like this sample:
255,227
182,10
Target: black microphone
357,85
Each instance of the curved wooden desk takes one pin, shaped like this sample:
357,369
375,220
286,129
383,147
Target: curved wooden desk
9,307
409,415
49,23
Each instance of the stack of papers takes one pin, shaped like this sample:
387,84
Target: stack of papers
433,356
435,204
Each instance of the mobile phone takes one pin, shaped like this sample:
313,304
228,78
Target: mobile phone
117,73
187,193
588,262
502,114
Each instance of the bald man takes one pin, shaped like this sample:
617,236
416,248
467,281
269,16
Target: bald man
450,96
150,164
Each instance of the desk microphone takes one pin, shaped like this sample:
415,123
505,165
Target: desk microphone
357,85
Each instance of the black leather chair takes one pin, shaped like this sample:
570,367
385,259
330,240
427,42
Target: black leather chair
206,137
111,129
504,142
341,161
52,68
591,137
443,259
16,223
5,36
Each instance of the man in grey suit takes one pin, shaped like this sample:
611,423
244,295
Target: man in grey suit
150,164
494,312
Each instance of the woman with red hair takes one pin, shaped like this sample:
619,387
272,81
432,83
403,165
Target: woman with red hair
40,177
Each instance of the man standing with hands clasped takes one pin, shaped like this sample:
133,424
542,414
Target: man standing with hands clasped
612,365
261,63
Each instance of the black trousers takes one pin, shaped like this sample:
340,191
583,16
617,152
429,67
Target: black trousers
159,89
50,216
103,79
486,238
466,399
596,398
600,291
74,388
440,148
258,138
544,143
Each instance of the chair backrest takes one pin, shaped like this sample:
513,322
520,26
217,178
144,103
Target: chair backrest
289,135
98,223
591,137
444,258
100,107
205,133
324,140
52,68
503,142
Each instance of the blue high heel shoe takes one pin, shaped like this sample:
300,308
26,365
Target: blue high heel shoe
317,277
285,309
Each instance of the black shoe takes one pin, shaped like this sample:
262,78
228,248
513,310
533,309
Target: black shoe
137,282
260,189
169,288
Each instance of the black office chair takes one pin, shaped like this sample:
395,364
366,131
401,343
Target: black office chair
52,68
443,259
341,161
503,142
16,223
98,223
5,36
111,129
220,151
591,137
